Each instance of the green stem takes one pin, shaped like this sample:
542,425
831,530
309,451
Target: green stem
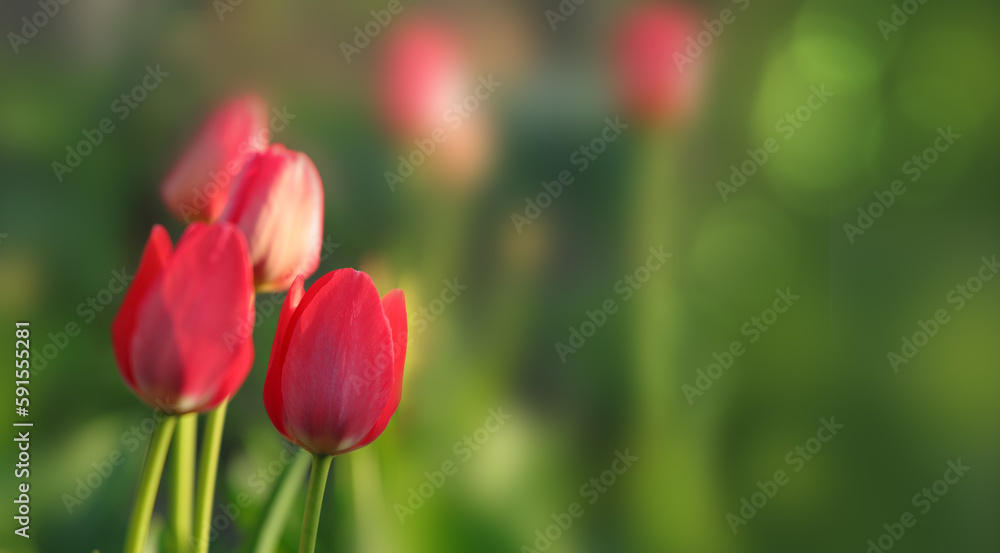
182,481
314,502
208,468
149,481
279,505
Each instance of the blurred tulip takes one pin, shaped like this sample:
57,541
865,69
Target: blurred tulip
335,376
278,203
175,335
197,187
422,73
656,78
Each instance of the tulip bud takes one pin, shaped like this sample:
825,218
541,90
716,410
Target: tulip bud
197,187
657,78
181,336
335,376
277,202
422,73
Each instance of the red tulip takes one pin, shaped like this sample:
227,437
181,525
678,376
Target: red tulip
422,74
197,188
172,334
278,203
336,371
656,78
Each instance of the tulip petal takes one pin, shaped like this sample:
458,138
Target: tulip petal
288,307
394,305
190,344
230,136
337,375
278,203
236,372
272,383
154,258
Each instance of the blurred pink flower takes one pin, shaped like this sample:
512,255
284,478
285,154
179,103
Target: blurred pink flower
197,187
421,74
656,78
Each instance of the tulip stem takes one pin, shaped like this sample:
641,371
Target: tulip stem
314,501
149,481
208,468
279,505
182,481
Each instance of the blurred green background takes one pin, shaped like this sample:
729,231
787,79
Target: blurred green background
494,346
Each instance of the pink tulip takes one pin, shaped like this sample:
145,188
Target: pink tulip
336,371
177,334
197,187
422,74
657,79
277,202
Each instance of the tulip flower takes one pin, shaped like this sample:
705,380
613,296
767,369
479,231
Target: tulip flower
660,82
422,73
656,77
336,370
335,376
197,187
277,201
170,341
170,333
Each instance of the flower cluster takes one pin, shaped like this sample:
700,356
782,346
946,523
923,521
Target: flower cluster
338,355
335,373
